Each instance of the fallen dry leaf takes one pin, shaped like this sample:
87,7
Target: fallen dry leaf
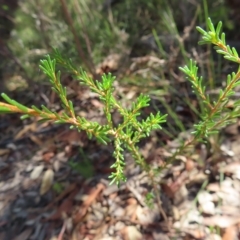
110,63
205,200
47,156
96,103
47,181
195,233
130,211
65,207
86,204
24,235
56,165
36,172
168,190
26,129
159,235
189,165
232,168
36,140
221,221
4,151
60,236
72,137
230,233
67,191
132,233
145,215
214,236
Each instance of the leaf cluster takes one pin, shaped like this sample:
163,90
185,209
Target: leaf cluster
216,113
125,135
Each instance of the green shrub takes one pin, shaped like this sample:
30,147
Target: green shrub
131,130
126,135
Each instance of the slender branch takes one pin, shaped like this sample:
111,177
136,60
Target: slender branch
89,64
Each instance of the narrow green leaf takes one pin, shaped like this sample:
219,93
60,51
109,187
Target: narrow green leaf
231,58
6,98
220,51
229,49
235,53
71,106
223,38
44,120
219,26
46,109
203,32
25,116
36,109
210,25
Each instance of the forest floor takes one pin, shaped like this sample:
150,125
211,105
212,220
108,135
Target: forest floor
54,181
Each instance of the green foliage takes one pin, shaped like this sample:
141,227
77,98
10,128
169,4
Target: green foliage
58,187
216,113
125,136
149,199
38,27
4,7
84,168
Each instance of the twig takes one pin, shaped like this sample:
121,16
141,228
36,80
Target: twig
60,236
89,64
159,203
85,35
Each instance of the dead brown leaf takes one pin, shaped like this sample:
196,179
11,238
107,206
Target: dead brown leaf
31,127
96,103
47,181
24,235
189,165
67,190
36,140
196,233
73,137
221,221
47,156
132,233
168,190
4,151
86,204
36,172
230,233
65,207
60,236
